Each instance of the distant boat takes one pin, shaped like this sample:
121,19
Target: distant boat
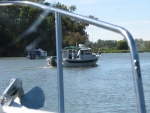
83,57
37,54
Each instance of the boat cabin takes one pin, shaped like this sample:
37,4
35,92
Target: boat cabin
67,52
37,53
82,52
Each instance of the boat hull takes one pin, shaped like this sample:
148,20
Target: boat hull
79,63
52,61
37,54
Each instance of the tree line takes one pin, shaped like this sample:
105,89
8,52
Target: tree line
119,46
23,28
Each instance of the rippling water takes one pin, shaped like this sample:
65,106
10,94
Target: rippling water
107,87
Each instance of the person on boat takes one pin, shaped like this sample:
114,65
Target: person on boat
74,54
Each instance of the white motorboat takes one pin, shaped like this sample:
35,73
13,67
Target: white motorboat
83,57
37,54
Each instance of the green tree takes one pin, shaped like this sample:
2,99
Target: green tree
21,29
106,43
140,44
73,30
72,38
147,45
72,8
122,45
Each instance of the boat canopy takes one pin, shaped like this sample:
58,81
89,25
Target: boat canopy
71,47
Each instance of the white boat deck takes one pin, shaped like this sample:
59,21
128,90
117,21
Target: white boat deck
20,110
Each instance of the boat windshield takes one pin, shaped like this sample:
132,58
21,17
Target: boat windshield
86,52
65,54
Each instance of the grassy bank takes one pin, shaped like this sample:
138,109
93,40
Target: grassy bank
120,51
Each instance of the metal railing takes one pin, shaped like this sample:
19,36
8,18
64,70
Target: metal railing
131,43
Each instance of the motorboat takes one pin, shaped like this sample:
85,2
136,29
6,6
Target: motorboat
37,54
14,90
75,56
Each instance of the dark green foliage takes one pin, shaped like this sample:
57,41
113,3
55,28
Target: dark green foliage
23,28
122,45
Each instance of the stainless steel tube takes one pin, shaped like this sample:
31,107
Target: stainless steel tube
59,62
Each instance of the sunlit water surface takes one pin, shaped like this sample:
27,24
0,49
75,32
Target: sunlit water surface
105,88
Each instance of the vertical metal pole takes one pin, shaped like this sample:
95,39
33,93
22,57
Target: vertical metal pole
137,73
138,84
58,29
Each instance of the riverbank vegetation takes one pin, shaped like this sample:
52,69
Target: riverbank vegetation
20,31
113,46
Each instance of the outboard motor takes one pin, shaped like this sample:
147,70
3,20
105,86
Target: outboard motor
52,61
14,90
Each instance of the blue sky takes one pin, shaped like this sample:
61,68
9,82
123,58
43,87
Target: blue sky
134,15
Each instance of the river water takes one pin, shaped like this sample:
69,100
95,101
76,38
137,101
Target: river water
105,88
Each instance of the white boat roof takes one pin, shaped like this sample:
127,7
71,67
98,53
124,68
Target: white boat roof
83,47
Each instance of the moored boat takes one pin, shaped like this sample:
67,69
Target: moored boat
73,56
37,54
